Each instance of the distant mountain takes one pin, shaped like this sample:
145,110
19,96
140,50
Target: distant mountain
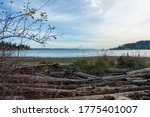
131,46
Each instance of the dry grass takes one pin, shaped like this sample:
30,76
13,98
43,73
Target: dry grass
100,65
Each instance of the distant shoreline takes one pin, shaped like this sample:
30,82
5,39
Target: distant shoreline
129,49
71,49
81,49
137,45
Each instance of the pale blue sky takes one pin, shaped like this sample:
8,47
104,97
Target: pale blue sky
95,23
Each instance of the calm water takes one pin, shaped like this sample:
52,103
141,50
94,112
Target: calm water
77,52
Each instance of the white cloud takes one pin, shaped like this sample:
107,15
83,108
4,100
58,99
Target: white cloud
93,3
124,21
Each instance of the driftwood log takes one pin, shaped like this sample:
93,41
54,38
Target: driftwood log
76,85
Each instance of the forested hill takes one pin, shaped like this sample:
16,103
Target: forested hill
137,45
11,46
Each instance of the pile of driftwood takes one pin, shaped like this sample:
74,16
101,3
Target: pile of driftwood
55,82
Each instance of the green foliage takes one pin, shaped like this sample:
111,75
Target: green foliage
131,62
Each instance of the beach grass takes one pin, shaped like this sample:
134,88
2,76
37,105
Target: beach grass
100,65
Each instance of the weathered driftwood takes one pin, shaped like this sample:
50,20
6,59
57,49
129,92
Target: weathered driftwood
18,78
140,73
87,76
146,70
137,83
115,96
76,85
136,73
118,77
145,98
110,90
96,78
46,90
57,74
117,70
13,98
37,93
41,85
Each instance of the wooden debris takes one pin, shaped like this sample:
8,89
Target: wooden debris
57,83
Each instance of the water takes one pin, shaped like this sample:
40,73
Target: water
76,52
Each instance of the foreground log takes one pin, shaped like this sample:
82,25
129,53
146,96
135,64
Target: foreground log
110,90
137,73
122,96
146,70
118,77
140,73
144,73
132,85
87,76
19,78
117,70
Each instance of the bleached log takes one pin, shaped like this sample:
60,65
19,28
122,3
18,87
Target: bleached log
146,70
135,73
140,73
117,70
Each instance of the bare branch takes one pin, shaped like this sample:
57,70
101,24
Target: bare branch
24,24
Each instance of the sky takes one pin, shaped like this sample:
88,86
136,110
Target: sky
95,23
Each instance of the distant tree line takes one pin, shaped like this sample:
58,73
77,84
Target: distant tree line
13,46
137,45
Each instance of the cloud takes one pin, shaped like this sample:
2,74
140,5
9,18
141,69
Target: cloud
119,23
93,3
110,23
